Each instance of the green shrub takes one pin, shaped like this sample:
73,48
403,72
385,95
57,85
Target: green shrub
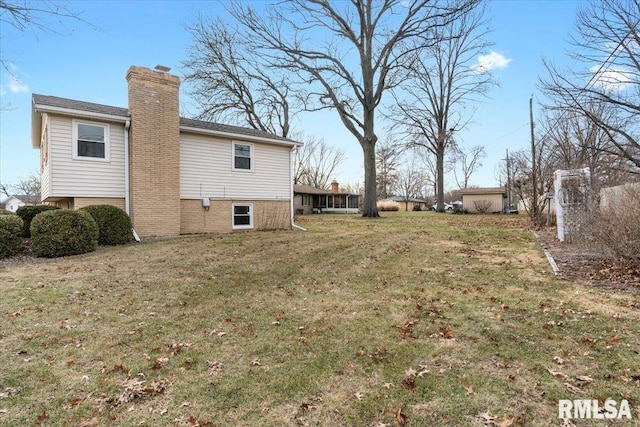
28,212
5,212
457,209
114,225
63,232
10,235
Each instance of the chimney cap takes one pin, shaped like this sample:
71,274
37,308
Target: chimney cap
163,68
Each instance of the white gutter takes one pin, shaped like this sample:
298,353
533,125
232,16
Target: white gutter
127,125
238,136
291,160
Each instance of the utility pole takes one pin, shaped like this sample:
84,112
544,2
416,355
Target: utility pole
534,180
508,181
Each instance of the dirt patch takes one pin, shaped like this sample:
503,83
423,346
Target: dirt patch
580,263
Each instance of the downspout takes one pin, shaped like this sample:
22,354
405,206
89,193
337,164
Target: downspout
127,201
291,157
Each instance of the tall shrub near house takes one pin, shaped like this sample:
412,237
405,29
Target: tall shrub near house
63,232
27,213
10,235
114,225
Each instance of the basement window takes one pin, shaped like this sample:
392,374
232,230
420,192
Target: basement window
242,216
91,141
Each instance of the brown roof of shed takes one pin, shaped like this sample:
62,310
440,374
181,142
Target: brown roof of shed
485,190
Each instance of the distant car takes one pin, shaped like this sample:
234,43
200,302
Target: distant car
447,207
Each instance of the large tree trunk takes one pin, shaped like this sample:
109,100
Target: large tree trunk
440,178
369,209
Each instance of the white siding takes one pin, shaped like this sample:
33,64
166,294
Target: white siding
206,170
45,164
71,177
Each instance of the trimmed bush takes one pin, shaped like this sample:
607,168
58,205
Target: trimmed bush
10,235
388,205
28,212
114,225
5,212
63,232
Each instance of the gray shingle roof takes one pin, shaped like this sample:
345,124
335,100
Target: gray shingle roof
71,104
219,127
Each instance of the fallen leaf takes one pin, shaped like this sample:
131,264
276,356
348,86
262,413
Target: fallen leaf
584,379
558,374
469,390
573,389
42,417
614,340
400,417
559,360
358,395
90,423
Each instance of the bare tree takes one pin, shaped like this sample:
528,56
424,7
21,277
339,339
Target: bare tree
409,183
26,186
4,189
388,156
469,161
347,53
430,171
534,202
232,84
607,51
42,16
442,79
316,162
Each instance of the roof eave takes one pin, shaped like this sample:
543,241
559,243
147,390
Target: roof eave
239,136
38,109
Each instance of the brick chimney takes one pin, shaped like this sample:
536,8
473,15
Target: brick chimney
154,152
334,187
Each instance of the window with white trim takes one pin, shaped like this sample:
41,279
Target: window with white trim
242,156
242,216
90,140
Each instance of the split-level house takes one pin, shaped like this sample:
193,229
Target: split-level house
172,175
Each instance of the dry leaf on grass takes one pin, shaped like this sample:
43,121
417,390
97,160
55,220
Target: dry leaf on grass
492,421
558,374
573,389
400,417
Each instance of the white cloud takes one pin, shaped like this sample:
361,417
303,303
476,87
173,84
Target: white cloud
16,85
615,79
493,60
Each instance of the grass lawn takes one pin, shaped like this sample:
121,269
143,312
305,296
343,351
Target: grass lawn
416,319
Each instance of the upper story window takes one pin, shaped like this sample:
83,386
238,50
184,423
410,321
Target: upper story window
242,156
91,141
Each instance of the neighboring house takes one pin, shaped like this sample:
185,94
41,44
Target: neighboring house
172,175
12,203
484,200
408,204
316,200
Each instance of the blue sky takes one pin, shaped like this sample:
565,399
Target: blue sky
89,63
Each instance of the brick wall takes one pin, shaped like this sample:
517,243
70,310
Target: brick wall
154,152
81,202
267,215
